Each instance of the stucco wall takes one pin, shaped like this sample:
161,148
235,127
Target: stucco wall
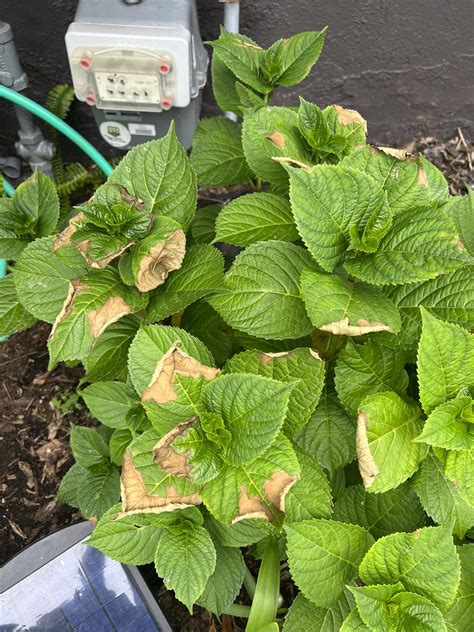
407,66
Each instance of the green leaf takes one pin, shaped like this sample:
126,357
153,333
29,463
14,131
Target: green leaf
389,608
254,490
304,615
42,277
160,174
450,425
459,469
440,498
224,584
353,623
346,308
437,183
37,199
150,345
395,510
310,497
461,612
98,492
109,402
217,155
242,56
108,357
461,210
329,433
448,297
13,316
249,99
88,447
11,246
400,174
445,361
261,295
185,558
202,321
425,562
119,441
421,244
372,605
95,302
386,428
224,86
272,132
246,402
300,367
256,217
201,273
297,55
327,201
323,555
203,228
312,124
68,491
130,540
367,369
241,533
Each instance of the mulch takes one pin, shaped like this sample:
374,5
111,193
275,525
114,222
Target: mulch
37,408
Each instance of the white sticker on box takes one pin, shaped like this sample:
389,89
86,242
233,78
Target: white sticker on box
140,129
115,133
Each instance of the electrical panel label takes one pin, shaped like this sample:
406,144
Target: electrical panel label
142,129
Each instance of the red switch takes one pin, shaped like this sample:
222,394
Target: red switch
90,98
165,65
167,102
85,62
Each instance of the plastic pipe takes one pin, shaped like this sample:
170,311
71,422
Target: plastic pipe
231,24
61,126
232,17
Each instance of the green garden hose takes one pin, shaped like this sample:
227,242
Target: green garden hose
61,126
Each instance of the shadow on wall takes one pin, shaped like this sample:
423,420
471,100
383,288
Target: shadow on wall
407,67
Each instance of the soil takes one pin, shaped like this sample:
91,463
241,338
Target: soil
38,406
34,439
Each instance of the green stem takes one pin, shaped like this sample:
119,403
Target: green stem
249,583
236,610
265,603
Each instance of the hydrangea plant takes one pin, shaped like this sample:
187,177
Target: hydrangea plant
308,403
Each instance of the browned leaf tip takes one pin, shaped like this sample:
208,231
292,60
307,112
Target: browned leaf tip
75,287
162,259
135,498
343,328
64,238
284,160
268,505
367,467
165,456
348,117
110,312
161,388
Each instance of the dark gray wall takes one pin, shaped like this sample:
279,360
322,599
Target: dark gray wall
406,65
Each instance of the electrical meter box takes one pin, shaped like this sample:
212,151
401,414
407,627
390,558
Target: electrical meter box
139,65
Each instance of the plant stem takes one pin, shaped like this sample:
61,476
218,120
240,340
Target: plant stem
249,583
237,610
265,603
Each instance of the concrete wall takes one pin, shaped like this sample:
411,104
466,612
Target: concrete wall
406,65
